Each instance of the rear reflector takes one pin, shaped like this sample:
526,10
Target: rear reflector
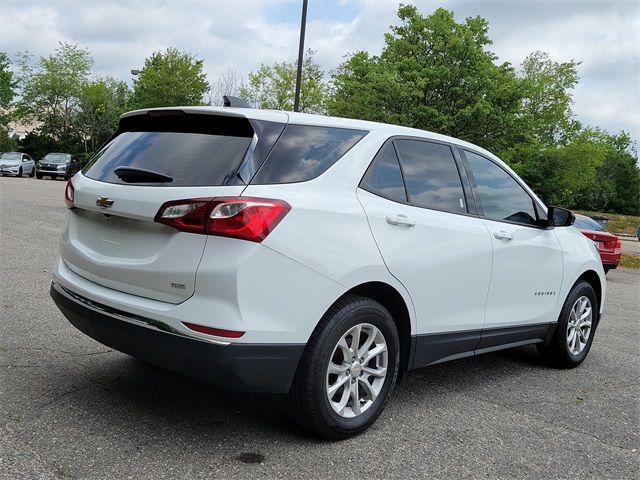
246,218
69,193
218,332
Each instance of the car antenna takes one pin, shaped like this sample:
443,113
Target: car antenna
238,102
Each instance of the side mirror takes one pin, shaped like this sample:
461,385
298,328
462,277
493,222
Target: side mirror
560,217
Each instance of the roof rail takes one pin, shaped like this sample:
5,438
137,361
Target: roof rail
238,102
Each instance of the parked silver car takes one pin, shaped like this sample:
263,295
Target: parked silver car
16,163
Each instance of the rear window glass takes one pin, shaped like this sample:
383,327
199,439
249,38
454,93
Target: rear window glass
194,149
191,159
305,152
586,223
57,157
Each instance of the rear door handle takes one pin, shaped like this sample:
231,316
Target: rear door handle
502,235
400,220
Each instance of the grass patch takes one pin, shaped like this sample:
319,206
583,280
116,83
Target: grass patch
617,223
61,472
630,260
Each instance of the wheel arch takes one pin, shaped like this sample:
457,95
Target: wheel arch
390,298
593,279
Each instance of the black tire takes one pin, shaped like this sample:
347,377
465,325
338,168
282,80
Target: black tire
308,396
20,172
38,176
557,352
53,177
33,172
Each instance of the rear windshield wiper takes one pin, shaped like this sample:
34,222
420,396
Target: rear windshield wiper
141,175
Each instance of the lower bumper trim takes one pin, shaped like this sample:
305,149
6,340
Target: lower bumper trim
242,367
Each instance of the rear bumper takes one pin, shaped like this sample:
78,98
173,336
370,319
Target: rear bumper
243,367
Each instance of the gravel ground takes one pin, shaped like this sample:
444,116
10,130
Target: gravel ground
72,408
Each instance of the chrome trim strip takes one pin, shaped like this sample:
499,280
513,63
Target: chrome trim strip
135,319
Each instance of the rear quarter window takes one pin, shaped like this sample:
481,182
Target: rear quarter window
384,177
304,152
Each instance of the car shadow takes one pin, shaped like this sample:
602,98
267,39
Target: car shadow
202,412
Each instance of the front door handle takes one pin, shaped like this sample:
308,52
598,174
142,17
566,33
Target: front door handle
400,220
502,235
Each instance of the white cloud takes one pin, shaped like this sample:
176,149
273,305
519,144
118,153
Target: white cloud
240,35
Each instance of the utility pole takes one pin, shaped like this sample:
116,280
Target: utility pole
303,26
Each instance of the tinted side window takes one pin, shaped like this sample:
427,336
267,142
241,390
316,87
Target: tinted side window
384,177
431,174
304,152
501,197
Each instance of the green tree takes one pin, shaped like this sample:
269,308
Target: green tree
170,78
547,99
7,82
51,88
435,74
616,187
38,145
620,173
7,93
101,103
274,86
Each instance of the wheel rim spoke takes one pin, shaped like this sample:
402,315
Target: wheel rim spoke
355,339
369,392
376,372
373,353
344,347
362,351
586,313
344,399
338,369
334,388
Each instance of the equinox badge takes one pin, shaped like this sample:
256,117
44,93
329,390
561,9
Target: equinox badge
104,202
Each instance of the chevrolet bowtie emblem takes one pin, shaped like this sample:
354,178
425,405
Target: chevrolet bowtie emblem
104,202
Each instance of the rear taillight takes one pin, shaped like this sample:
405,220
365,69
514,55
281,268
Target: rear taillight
69,193
246,218
613,244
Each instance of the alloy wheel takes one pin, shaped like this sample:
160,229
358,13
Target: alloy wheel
579,325
357,370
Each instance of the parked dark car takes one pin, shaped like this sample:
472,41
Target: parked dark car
609,246
56,165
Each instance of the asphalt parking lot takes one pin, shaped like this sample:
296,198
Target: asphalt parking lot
630,245
71,408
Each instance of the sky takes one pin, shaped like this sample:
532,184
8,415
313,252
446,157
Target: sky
240,35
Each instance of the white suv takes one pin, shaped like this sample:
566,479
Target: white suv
316,256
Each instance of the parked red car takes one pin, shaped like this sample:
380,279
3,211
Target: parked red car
609,246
